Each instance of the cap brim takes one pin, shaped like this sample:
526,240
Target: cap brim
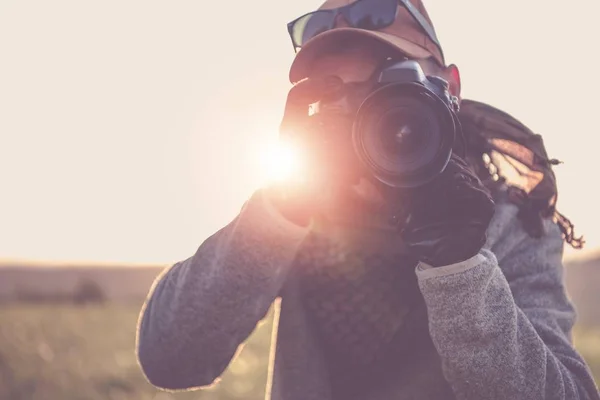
327,40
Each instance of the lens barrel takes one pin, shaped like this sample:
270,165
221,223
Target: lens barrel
403,134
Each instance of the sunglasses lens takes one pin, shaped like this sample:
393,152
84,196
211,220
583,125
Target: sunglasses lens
371,14
311,25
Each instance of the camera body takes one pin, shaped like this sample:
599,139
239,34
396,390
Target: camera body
404,131
411,71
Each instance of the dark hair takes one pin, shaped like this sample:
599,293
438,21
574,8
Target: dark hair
510,159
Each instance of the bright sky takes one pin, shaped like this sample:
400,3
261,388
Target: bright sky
132,130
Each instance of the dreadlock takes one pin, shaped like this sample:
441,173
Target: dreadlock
507,154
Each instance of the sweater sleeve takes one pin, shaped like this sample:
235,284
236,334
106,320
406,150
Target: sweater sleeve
502,321
200,310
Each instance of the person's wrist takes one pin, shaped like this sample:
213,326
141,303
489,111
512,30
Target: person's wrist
456,252
447,260
288,206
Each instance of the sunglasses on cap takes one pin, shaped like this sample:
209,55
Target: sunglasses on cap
363,14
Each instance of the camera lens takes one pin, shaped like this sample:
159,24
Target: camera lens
403,135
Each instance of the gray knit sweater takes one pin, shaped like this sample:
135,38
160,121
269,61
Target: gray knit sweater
360,320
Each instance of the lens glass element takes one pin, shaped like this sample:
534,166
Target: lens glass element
404,138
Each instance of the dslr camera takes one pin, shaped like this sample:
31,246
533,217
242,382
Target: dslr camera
404,131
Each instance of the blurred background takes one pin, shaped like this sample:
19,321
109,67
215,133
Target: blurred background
132,130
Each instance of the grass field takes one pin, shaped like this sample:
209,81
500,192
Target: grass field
67,352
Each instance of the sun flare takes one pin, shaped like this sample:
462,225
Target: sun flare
281,162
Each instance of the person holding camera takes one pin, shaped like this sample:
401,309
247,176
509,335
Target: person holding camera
409,264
